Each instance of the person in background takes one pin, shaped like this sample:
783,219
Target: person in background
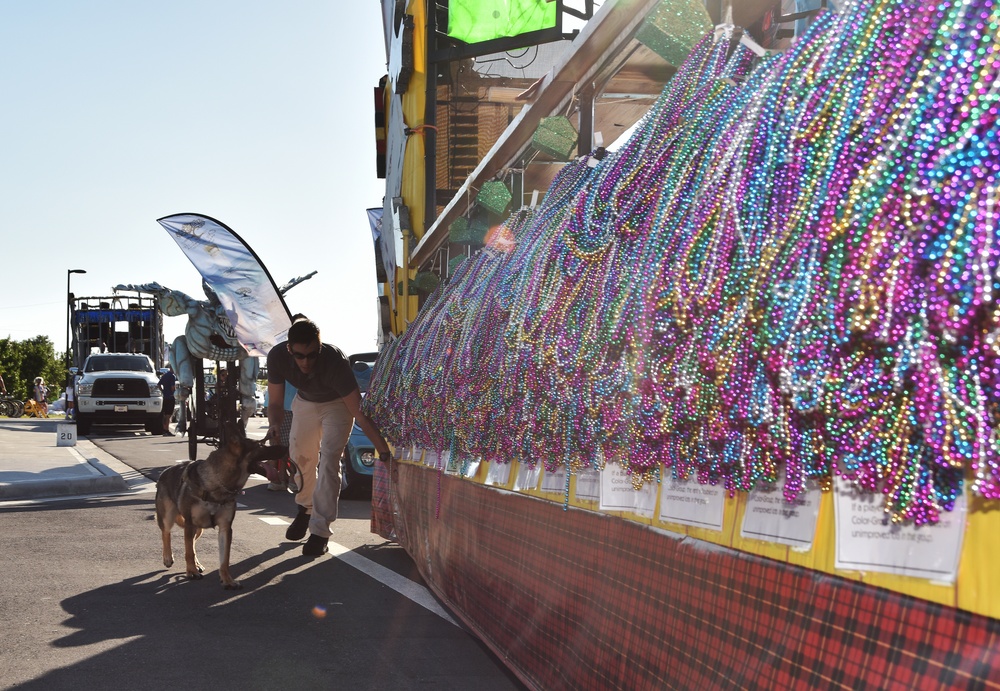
3,387
70,391
41,392
168,383
324,410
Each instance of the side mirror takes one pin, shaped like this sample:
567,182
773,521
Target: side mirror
74,370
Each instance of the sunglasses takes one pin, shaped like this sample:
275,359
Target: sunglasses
305,356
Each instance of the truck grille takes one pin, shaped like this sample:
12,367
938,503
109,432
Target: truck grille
117,388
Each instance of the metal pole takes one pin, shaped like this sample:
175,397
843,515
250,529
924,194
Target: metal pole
69,313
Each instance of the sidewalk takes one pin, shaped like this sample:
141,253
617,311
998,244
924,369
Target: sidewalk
32,466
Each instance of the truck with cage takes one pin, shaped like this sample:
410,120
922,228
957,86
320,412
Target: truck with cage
116,353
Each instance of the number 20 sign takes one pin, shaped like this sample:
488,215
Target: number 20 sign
65,435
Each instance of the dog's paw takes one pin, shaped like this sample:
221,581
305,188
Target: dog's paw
194,575
201,569
168,561
235,585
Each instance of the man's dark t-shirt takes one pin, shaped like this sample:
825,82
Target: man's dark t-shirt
331,378
167,383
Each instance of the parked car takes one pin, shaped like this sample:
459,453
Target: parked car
357,467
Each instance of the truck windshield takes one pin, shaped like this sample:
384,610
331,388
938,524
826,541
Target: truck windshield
128,363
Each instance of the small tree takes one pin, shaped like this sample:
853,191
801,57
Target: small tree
22,361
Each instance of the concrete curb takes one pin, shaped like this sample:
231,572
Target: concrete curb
106,475
35,489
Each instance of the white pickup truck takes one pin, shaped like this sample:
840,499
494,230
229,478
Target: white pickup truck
119,389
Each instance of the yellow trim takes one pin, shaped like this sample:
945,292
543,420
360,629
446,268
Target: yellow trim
413,185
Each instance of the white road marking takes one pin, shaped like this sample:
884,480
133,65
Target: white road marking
387,577
273,520
402,585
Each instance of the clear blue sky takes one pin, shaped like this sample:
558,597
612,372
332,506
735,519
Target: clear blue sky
258,114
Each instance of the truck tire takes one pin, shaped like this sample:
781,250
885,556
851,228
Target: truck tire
154,424
83,423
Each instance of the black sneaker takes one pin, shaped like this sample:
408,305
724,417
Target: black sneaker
297,530
315,546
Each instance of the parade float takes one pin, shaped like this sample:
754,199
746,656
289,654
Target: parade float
721,406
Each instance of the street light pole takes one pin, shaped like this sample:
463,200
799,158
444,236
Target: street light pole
69,312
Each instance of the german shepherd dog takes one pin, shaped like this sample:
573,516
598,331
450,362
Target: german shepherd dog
201,494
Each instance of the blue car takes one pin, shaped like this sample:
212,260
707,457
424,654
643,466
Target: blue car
358,464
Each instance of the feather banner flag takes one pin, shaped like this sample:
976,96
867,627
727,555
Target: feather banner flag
238,277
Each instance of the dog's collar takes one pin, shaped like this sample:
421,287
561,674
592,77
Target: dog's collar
217,497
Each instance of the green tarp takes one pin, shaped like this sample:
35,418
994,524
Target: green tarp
474,21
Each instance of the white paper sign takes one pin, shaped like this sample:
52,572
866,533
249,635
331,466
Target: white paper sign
66,434
498,474
617,493
554,481
770,518
690,503
432,459
527,477
868,541
588,485
470,468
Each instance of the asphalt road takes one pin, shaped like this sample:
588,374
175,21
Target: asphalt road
87,603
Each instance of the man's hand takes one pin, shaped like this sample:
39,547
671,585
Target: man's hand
272,434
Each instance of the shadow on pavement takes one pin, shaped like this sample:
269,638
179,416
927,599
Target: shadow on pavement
151,628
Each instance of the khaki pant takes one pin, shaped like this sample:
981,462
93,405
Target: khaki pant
320,432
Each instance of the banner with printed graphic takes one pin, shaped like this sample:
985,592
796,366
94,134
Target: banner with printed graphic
238,277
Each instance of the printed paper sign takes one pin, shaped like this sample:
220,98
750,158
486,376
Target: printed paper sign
769,517
690,503
432,459
527,477
588,485
554,481
498,474
617,493
868,541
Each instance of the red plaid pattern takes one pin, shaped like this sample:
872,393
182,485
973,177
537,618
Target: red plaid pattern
576,599
381,511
